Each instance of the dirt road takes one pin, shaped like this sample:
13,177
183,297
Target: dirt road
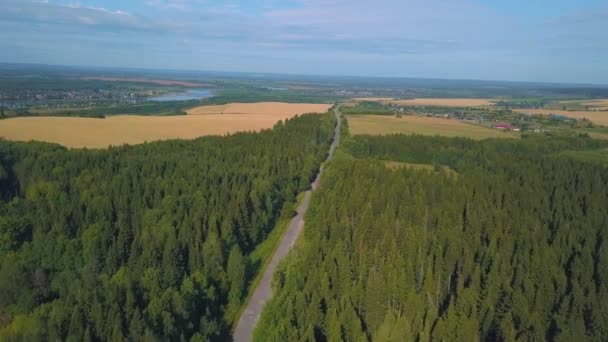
263,292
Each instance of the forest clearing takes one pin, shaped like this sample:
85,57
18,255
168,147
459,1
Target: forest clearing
396,165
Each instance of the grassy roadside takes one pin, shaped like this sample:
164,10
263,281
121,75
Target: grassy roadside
264,252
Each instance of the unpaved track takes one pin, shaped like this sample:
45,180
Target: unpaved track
263,292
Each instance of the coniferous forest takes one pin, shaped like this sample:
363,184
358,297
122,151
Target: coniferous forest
143,242
494,240
500,241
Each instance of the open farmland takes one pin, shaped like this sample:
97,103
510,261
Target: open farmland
277,108
455,102
597,104
77,132
597,117
382,125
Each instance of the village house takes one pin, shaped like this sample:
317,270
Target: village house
507,127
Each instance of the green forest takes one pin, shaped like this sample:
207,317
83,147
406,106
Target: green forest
494,240
146,242
509,246
367,108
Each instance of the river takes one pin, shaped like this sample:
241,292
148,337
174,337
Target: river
192,94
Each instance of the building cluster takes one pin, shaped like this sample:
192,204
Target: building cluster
507,127
61,98
501,120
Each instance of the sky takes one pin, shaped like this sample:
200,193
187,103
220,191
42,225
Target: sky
516,40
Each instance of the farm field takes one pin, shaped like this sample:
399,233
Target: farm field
382,125
595,135
76,132
454,102
597,117
597,104
275,108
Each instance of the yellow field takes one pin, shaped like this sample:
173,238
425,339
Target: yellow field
597,135
460,102
381,125
600,118
133,129
277,108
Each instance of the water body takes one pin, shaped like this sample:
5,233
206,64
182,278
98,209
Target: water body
192,94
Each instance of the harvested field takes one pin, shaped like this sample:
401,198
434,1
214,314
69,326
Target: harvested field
597,135
145,80
117,130
382,125
276,108
597,117
129,129
460,102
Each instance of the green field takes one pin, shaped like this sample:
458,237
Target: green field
382,125
367,108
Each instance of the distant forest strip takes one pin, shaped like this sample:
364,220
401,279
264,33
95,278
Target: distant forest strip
249,95
144,108
149,242
367,108
513,247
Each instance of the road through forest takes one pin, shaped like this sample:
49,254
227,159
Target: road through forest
263,292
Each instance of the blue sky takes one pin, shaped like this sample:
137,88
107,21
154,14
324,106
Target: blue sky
532,40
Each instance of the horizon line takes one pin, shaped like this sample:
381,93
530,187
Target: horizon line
263,73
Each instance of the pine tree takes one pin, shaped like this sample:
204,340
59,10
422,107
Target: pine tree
237,278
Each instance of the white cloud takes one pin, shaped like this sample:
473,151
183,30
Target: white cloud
168,4
429,33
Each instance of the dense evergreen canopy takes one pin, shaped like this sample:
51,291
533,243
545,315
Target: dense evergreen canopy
511,247
148,241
